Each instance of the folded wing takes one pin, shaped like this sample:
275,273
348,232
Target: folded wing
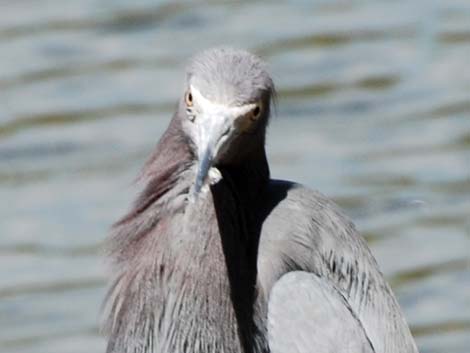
307,314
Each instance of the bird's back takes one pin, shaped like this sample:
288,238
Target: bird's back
304,231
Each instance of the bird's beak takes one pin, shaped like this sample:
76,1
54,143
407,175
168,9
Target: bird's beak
215,130
215,127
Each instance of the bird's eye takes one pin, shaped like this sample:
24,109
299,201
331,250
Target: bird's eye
255,113
189,99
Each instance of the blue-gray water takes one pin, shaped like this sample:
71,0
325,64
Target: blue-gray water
374,111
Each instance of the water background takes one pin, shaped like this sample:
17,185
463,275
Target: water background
374,111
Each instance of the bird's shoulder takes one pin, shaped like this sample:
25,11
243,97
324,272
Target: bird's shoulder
306,206
305,230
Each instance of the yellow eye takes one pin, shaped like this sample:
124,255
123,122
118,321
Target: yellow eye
256,113
189,99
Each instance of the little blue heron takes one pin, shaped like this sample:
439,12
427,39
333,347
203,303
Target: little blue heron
216,257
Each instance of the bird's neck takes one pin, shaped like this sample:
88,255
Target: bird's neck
186,271
238,204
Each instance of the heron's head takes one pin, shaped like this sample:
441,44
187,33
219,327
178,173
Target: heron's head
225,108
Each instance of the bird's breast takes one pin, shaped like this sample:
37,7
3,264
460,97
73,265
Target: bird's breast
197,314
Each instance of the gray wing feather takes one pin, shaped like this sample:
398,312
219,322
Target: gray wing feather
306,232
307,314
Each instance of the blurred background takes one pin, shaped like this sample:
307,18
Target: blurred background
374,111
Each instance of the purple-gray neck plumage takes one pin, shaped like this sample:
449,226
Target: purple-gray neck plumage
185,271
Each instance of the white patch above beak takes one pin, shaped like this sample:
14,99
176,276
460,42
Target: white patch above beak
206,106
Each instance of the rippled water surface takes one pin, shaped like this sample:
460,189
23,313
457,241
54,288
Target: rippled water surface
374,111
